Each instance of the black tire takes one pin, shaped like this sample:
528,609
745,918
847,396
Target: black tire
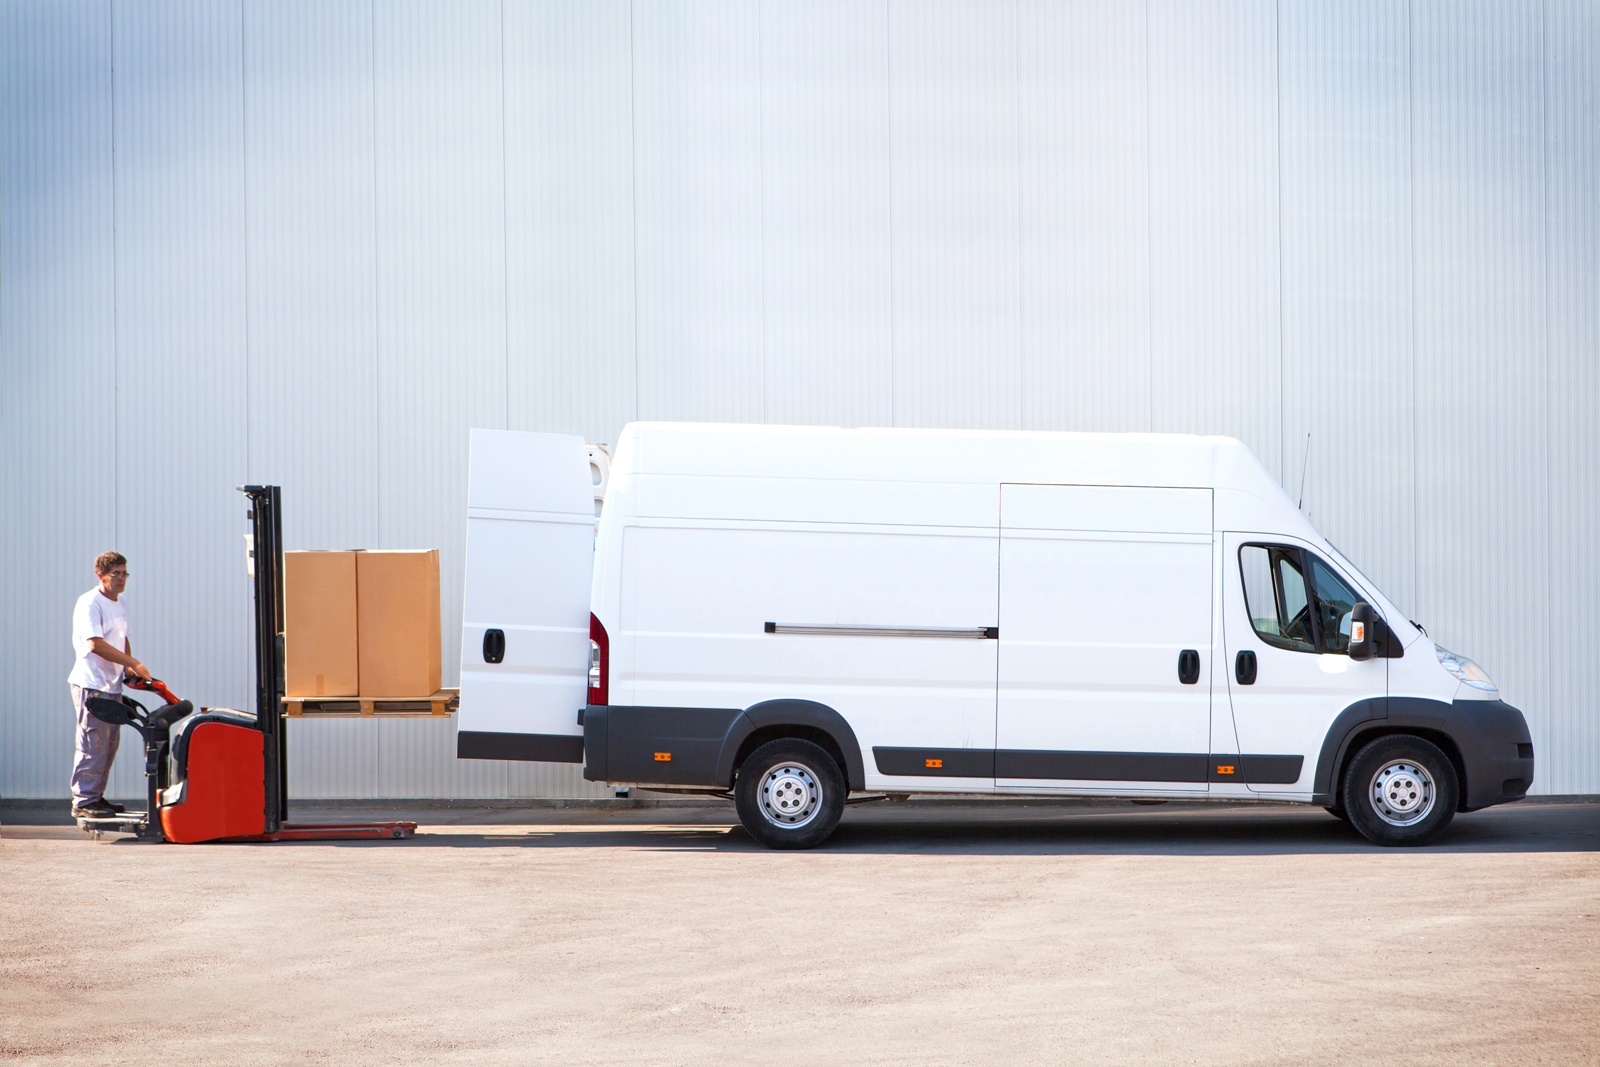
1400,790
790,794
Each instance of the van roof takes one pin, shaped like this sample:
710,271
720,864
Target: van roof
962,456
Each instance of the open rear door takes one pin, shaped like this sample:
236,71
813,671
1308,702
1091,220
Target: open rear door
525,620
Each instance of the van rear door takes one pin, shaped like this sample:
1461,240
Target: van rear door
1105,639
525,616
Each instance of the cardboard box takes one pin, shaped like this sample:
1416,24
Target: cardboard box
319,624
397,623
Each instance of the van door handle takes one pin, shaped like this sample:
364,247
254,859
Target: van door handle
494,646
1188,666
1244,667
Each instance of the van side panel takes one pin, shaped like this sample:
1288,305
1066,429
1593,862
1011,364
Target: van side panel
698,595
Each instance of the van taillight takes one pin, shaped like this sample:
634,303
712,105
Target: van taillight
599,662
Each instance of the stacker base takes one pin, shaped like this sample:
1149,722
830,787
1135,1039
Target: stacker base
135,822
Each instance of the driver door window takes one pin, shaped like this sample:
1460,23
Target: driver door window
1275,594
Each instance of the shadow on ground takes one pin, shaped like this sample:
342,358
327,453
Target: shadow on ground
944,829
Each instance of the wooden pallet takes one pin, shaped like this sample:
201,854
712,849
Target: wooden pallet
441,703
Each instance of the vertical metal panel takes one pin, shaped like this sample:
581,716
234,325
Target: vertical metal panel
569,216
313,316
1347,370
1482,460
1569,761
442,340
335,758
311,253
956,252
57,368
1214,310
825,212
180,398
697,188
441,273
1085,216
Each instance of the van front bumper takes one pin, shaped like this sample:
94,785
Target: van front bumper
1496,751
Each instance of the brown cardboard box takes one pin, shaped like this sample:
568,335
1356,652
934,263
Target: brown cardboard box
397,622
319,624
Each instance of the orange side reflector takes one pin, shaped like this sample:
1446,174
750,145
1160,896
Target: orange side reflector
1224,770
663,757
935,763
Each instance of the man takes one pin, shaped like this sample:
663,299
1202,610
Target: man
100,639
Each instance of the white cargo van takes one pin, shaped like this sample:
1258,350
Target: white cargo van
793,614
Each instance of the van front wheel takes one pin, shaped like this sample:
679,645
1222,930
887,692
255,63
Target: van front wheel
790,794
1400,790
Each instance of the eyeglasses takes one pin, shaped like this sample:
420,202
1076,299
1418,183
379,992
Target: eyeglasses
116,574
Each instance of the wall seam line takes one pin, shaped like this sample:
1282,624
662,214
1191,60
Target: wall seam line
377,287
888,125
1277,117
116,275
244,166
633,190
1411,220
761,193
1544,196
1149,248
1016,80
505,219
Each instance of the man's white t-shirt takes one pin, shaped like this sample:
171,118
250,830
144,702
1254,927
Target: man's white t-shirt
97,615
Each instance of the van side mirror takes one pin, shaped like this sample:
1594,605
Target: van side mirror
1364,637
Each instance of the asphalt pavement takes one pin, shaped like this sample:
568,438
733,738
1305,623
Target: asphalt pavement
929,932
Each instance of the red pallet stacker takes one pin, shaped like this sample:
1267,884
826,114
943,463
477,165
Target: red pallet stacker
219,774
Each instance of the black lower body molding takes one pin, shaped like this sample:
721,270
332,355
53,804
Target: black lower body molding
1040,764
533,748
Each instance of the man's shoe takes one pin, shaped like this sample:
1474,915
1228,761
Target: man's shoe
113,805
95,809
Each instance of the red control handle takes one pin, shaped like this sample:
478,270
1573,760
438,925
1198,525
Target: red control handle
155,685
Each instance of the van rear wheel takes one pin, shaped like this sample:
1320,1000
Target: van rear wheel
790,794
1400,790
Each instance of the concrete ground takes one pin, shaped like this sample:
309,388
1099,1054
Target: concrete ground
924,933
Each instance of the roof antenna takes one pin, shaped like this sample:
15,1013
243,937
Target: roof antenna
1303,465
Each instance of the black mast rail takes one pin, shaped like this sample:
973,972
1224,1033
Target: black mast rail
266,550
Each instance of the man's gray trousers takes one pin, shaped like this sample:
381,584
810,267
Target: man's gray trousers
97,747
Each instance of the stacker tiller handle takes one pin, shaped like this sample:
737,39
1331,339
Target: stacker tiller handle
154,685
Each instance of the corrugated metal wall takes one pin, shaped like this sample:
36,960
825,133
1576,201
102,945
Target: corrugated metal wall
314,241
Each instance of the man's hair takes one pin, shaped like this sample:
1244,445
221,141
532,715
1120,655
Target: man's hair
106,560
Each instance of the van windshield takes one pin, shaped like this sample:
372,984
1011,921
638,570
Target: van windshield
1342,558
1335,602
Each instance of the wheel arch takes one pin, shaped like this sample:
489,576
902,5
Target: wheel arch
1377,717
1442,740
807,720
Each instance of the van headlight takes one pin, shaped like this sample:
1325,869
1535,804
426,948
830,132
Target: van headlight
1466,670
